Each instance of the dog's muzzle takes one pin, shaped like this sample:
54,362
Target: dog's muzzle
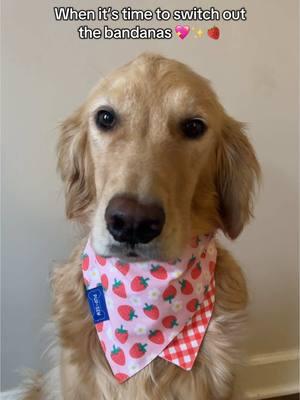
131,222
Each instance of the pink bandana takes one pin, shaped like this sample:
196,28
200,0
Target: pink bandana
147,309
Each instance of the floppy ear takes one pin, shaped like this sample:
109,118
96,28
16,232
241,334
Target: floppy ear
75,165
236,176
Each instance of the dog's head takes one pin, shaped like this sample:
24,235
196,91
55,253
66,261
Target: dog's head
151,159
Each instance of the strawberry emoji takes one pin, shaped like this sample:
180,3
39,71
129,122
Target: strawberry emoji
186,287
156,336
99,326
122,267
101,260
151,311
119,289
193,305
169,322
203,254
117,355
127,312
139,283
195,242
158,272
85,261
196,271
191,262
138,350
169,293
121,334
214,33
121,377
104,281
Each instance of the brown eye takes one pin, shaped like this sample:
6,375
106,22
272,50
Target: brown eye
193,128
105,119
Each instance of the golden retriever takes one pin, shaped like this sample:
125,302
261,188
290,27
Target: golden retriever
153,131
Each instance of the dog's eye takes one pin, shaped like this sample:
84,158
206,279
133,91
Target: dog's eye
193,128
105,119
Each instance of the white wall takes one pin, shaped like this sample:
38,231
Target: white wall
47,72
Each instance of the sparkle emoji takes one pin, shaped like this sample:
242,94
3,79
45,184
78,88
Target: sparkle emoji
198,33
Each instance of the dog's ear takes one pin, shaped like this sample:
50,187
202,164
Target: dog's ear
236,177
75,165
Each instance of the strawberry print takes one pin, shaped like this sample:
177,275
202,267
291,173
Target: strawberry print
186,287
169,293
156,337
119,289
99,326
169,322
117,355
101,260
191,262
121,334
211,266
193,305
155,308
151,311
85,262
196,271
122,267
195,242
102,344
158,272
203,254
138,350
104,281
121,377
127,312
139,283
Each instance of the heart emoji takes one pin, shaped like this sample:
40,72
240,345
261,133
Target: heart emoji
182,31
214,33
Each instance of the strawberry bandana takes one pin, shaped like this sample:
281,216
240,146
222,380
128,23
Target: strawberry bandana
142,310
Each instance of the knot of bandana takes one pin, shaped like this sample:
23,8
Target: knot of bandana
143,310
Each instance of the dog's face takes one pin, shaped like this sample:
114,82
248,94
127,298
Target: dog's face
152,159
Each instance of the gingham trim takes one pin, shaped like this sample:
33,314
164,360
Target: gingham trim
184,348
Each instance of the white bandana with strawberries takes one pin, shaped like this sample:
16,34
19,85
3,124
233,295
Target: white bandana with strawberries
154,308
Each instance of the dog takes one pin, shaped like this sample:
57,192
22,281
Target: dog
153,143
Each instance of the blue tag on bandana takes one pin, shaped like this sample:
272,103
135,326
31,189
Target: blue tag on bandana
97,304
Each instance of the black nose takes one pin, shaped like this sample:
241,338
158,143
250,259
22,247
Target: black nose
132,222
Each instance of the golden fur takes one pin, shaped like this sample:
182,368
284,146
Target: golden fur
203,185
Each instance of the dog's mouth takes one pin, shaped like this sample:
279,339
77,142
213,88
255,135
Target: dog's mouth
136,253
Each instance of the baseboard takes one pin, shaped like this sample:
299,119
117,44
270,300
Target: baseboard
270,375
